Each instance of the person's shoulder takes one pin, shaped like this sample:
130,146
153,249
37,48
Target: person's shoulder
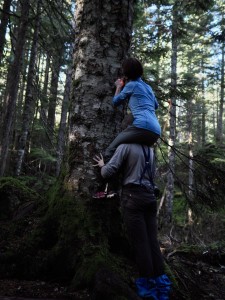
131,83
129,146
123,150
141,81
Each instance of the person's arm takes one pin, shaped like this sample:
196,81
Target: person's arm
121,95
113,166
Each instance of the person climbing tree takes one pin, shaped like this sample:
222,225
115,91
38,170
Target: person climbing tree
145,128
139,206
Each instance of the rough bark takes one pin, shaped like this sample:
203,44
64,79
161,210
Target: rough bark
30,99
103,35
13,84
3,25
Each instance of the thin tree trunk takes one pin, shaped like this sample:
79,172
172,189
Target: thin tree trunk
203,132
103,31
44,93
3,25
172,121
190,162
159,33
219,134
63,122
56,64
14,28
30,99
13,84
20,97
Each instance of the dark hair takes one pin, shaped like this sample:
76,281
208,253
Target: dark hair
132,68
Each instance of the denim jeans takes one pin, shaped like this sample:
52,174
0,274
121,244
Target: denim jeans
131,135
139,208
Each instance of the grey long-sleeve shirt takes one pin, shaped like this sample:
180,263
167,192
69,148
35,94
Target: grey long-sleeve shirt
129,158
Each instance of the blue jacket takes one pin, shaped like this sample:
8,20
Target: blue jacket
142,103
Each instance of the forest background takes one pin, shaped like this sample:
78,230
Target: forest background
56,85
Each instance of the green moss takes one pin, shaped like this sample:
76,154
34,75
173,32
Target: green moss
90,264
68,241
179,208
11,184
13,193
95,257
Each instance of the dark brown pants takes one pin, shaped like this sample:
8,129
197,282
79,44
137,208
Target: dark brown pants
131,135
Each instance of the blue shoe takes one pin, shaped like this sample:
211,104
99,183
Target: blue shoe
163,287
146,288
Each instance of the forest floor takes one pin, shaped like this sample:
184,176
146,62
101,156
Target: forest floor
198,276
198,271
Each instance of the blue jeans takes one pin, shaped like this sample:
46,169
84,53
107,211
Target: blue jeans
131,135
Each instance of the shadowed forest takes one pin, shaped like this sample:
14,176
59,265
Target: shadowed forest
59,61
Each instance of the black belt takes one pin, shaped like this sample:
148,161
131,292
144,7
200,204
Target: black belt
142,187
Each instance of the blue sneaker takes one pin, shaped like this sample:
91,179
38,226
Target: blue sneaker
163,287
146,288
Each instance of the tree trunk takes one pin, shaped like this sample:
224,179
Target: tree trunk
20,97
172,121
203,130
56,64
44,93
103,38
13,84
219,134
3,25
30,99
190,162
63,122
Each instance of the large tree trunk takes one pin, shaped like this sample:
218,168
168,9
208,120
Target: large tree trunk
172,120
103,35
30,99
3,25
13,84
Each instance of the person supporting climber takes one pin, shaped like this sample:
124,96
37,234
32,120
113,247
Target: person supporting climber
139,208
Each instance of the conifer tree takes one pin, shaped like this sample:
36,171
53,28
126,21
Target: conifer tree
103,34
30,99
13,82
3,25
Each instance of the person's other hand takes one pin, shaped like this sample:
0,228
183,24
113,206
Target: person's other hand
100,161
